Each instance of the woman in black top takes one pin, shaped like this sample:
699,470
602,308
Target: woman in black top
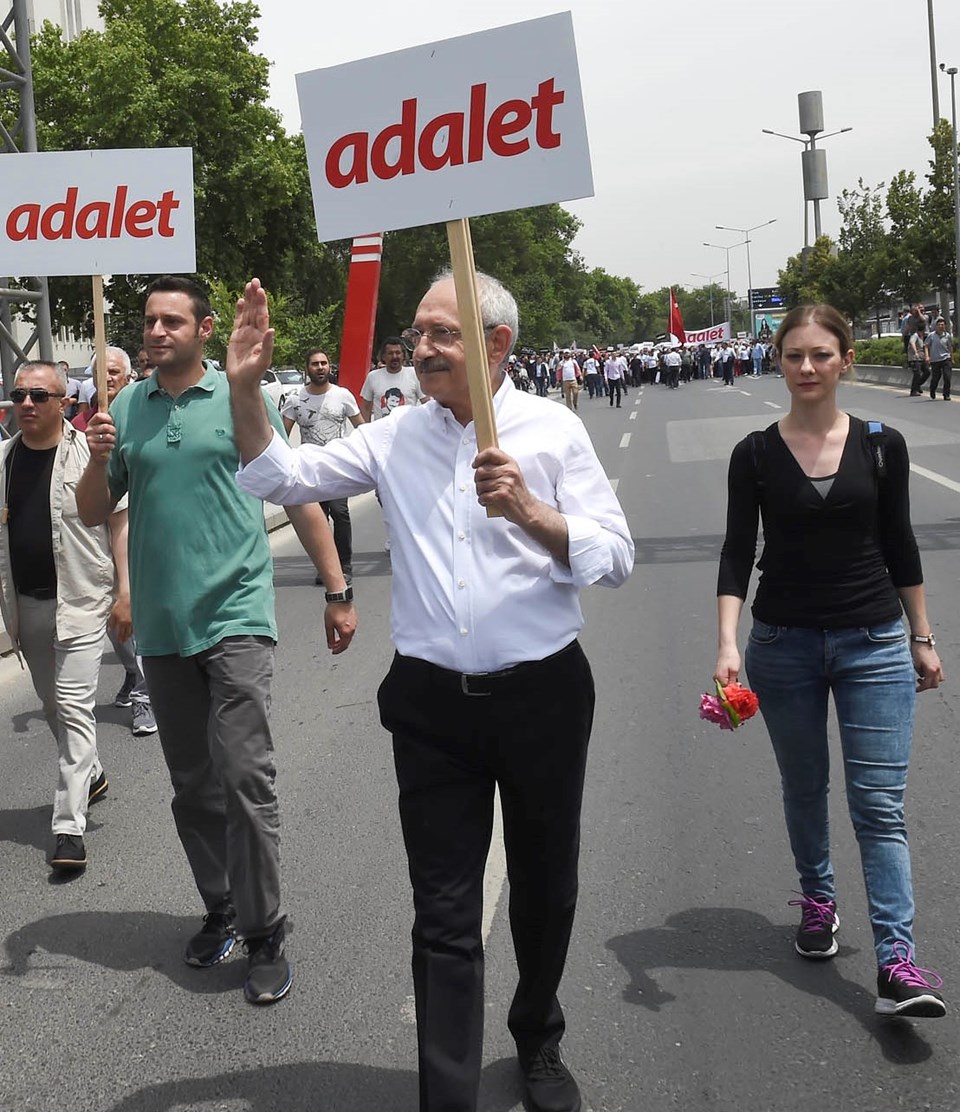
839,568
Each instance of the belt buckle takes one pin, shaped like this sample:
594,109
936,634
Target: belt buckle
466,677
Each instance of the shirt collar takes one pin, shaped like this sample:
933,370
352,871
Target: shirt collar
444,417
208,383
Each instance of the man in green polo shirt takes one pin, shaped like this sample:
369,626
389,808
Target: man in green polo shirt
202,595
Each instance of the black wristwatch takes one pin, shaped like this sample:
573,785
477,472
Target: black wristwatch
339,596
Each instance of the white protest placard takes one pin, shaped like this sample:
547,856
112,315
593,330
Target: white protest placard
471,125
97,212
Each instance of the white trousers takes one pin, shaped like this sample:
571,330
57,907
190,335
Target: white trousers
65,676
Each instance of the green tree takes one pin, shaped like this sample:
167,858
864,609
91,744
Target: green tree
169,73
527,249
859,277
805,280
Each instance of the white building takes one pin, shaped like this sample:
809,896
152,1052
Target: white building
71,16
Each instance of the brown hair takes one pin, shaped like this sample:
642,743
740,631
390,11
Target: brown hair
824,315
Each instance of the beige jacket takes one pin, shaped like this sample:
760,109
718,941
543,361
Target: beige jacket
85,572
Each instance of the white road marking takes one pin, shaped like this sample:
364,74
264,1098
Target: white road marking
746,393
639,400
625,440
614,483
950,484
773,405
633,415
496,872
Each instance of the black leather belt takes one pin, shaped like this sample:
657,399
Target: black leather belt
486,683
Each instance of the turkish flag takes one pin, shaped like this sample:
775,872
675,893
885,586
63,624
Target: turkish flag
676,321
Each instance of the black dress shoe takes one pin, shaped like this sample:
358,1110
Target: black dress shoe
548,1086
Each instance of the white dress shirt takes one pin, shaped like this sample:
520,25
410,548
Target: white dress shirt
470,593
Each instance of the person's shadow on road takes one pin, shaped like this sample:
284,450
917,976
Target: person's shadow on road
735,940
121,940
315,1087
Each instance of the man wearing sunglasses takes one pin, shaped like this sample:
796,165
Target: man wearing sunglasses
489,686
57,590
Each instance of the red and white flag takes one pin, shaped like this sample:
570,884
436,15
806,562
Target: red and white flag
676,321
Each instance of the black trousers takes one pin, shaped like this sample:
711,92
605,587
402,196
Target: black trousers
613,385
941,367
528,735
338,510
921,372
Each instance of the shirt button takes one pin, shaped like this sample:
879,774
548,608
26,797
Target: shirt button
461,583
463,486
461,536
463,632
465,440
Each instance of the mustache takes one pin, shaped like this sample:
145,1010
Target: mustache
433,363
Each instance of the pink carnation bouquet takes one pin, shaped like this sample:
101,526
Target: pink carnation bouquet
730,707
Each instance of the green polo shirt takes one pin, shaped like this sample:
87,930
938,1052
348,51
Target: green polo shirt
200,565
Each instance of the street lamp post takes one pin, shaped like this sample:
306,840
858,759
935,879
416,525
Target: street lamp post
952,73
807,145
709,278
931,35
722,247
746,233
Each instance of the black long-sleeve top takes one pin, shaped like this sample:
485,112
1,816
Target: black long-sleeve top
827,563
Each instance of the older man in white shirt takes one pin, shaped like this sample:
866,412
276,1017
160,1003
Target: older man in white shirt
489,685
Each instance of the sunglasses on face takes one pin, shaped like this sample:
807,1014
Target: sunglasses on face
37,395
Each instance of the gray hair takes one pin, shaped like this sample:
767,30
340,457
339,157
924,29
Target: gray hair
497,303
32,364
124,359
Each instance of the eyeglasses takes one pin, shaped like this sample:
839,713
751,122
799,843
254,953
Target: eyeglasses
440,337
37,395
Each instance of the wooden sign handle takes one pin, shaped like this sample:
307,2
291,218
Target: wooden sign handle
474,344
99,345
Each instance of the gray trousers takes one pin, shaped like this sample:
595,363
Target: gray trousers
127,655
212,713
65,675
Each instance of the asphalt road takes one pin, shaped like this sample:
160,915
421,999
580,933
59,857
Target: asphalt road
682,990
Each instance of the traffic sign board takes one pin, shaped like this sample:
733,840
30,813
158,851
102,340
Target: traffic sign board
766,297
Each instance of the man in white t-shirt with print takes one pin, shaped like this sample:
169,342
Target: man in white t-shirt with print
321,410
391,385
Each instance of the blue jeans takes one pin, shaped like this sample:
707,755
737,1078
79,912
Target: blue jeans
871,675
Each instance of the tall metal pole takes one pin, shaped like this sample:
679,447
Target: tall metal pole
709,278
28,120
952,71
746,232
723,247
933,64
21,137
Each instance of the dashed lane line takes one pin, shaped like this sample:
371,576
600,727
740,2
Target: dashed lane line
625,440
950,484
633,415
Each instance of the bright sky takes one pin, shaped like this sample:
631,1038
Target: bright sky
676,95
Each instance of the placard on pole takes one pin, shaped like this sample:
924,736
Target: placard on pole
438,133
96,213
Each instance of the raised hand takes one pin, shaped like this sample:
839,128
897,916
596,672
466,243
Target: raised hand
250,350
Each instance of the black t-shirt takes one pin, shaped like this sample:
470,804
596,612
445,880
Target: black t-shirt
27,485
829,562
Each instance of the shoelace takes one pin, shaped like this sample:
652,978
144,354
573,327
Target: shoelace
546,1064
816,916
904,970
